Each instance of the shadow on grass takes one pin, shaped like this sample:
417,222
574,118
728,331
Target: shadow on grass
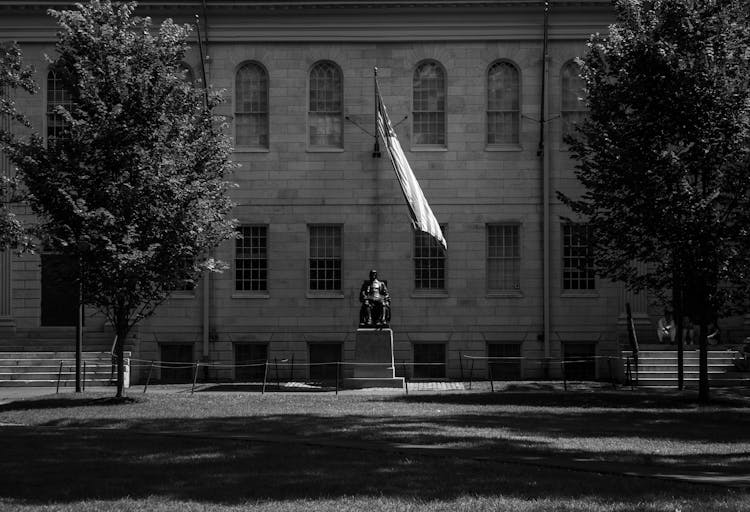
65,402
574,399
316,447
74,465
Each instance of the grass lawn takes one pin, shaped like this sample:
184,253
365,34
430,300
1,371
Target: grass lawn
525,449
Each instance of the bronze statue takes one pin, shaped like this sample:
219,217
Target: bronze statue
376,302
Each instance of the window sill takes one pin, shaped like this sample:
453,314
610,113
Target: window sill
251,295
182,295
429,294
323,149
251,150
580,294
512,294
325,295
427,149
502,148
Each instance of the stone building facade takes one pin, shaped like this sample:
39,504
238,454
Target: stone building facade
463,82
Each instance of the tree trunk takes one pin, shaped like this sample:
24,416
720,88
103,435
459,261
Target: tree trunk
122,333
703,387
678,308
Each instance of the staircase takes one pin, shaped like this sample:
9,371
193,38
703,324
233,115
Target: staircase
658,368
37,357
44,369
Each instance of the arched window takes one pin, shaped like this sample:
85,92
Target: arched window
251,113
325,117
503,117
57,94
428,115
572,109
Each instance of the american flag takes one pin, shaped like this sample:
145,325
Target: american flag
420,212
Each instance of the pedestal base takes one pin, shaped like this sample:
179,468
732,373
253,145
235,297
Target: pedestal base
373,360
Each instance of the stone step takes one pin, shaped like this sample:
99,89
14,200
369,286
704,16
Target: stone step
9,356
51,383
52,374
724,382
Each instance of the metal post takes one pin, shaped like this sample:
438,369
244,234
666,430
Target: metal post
471,372
461,365
148,378
59,375
291,370
492,380
564,376
195,377
276,368
79,329
338,373
265,376
83,383
611,375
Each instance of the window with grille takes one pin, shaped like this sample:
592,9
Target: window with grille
188,282
251,114
325,258
429,361
503,257
57,95
187,73
428,116
503,115
325,117
577,257
429,262
250,359
251,259
572,108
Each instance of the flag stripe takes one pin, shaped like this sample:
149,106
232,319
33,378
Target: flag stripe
420,212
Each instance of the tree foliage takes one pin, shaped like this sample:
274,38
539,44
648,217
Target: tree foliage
14,76
135,186
664,154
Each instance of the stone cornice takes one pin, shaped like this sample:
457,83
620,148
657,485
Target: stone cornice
283,5
346,20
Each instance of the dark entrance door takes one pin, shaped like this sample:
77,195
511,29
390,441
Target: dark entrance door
505,369
177,363
580,361
250,359
59,291
321,353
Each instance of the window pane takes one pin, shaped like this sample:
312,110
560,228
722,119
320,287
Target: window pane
251,259
572,109
325,114
325,257
502,104
503,257
429,104
577,254
251,112
429,262
57,95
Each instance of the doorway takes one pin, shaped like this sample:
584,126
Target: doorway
59,305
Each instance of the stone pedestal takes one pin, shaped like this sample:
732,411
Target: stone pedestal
373,361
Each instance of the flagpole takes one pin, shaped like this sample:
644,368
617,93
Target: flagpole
376,147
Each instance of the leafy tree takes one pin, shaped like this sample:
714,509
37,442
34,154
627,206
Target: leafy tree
134,188
663,155
13,76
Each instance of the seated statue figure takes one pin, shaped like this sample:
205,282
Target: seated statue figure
376,302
